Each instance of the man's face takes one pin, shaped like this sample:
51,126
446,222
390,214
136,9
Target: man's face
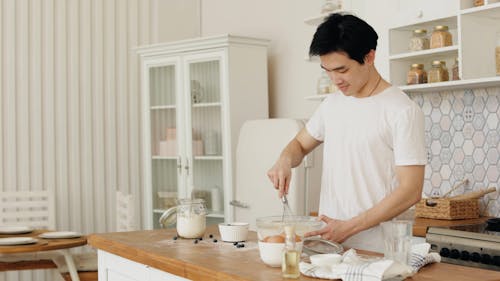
347,74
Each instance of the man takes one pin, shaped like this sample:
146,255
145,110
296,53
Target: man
373,134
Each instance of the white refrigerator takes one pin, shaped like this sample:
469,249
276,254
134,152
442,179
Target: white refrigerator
259,145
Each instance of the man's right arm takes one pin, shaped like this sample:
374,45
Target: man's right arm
281,173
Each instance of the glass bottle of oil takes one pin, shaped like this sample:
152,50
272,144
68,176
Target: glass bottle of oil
291,255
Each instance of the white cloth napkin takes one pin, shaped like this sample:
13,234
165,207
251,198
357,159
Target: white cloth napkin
361,268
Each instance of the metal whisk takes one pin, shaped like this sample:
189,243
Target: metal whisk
287,212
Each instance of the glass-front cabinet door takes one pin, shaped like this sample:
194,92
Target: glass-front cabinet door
192,111
204,113
166,138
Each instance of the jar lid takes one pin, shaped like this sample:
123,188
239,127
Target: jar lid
420,31
436,63
417,65
188,201
441,27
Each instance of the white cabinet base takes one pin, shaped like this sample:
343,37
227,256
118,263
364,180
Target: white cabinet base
116,268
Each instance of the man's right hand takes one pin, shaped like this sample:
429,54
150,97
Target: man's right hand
280,175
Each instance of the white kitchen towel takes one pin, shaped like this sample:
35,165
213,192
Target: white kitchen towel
356,268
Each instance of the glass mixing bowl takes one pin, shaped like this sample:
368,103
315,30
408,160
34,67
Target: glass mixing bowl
273,225
271,235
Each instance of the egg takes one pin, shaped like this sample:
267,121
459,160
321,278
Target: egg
279,238
274,239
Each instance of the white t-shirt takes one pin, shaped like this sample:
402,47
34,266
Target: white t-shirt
364,139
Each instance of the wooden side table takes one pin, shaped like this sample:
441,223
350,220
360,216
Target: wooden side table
42,245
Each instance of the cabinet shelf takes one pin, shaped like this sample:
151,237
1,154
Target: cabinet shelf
209,215
453,85
424,54
207,104
156,157
159,107
209,157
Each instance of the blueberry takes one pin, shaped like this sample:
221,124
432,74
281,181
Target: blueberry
175,237
196,241
240,245
210,236
201,238
215,240
235,243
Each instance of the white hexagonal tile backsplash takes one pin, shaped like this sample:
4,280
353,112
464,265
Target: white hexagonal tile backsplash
462,135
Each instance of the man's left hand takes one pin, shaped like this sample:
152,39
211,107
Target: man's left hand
335,230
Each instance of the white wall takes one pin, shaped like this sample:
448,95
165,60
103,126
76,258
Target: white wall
291,77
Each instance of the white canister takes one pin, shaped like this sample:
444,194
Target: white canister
216,200
211,143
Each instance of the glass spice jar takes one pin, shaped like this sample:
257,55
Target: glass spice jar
478,3
497,54
416,74
438,72
440,37
324,84
419,40
454,71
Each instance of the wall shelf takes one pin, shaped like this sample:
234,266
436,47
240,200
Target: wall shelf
453,85
317,20
318,97
426,53
483,11
474,33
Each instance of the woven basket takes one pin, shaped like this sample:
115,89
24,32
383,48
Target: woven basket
447,209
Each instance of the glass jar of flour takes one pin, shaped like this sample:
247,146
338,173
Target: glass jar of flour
191,218
190,215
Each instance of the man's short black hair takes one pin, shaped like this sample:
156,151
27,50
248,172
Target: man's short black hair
344,33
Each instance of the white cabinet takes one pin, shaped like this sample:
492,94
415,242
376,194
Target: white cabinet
475,31
196,94
116,268
410,12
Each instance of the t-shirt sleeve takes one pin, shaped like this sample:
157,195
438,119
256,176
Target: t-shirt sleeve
316,124
409,137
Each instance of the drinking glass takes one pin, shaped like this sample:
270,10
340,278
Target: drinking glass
397,240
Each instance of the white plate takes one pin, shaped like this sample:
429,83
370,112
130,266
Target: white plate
60,234
17,240
15,229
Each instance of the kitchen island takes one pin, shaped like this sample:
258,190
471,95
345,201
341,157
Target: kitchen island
155,255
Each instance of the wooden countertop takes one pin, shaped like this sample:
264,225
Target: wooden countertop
421,225
222,261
